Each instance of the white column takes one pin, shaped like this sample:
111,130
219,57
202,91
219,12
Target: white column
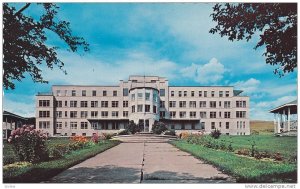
283,120
278,123
289,119
275,128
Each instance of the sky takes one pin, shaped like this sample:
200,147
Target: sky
165,39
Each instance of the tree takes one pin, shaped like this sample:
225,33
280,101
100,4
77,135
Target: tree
275,22
25,38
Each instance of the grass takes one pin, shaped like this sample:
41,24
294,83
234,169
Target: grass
287,146
263,127
45,170
245,170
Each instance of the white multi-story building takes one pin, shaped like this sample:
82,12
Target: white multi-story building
84,110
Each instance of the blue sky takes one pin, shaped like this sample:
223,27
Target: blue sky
165,39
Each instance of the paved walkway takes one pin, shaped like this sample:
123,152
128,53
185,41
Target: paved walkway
142,159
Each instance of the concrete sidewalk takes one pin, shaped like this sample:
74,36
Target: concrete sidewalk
142,159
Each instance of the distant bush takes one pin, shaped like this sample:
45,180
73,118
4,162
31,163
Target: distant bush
169,132
108,135
133,128
124,132
29,144
215,134
159,127
254,132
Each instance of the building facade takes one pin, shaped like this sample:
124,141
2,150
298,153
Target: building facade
84,110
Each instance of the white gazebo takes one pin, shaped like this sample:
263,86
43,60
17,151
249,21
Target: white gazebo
285,119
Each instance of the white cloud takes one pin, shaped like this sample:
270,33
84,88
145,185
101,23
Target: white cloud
250,86
208,73
94,71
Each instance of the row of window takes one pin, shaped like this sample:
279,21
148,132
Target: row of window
93,114
84,125
200,94
93,104
203,114
93,93
202,104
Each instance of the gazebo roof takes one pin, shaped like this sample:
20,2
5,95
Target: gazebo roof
292,105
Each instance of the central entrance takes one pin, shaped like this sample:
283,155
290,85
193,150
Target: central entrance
144,125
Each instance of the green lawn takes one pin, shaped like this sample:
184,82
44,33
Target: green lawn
287,146
245,170
45,170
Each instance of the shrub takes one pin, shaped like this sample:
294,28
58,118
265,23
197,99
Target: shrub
108,136
277,156
254,132
215,134
124,132
59,150
243,151
184,135
132,128
159,127
169,132
95,138
30,144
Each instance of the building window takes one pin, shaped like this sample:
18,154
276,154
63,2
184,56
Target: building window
185,93
73,125
44,124
227,125
182,114
73,114
203,115
212,93
133,109
140,96
73,103
73,93
162,114
83,103
104,114
240,114
95,125
66,114
172,93
104,93
192,104
162,92
220,114
83,93
193,126
220,124
105,126
200,93
212,114
227,93
182,104
83,114
94,93
114,104
125,113
139,108
220,104
58,92
172,114
115,93
84,125
59,114
173,127
115,114
226,104
44,103
66,103
241,104
44,113
162,104
94,104
125,104
226,114
59,103
147,96
244,124
205,93
213,125
202,125
104,104
192,114
154,109
220,93
147,108
192,93
213,104
59,125
115,126
179,93
202,104
172,104
132,97
182,126
94,114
